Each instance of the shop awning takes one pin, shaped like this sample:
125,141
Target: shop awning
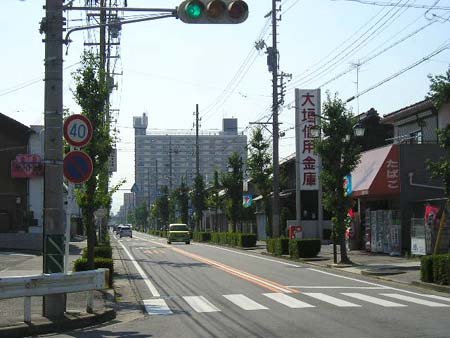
378,173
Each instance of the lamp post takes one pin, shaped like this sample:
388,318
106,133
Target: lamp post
358,131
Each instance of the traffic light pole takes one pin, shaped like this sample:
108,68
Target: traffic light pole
275,134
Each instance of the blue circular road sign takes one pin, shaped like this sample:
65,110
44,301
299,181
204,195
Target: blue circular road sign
77,166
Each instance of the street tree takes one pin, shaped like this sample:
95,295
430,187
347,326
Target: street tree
232,181
141,215
183,202
90,94
198,200
214,201
440,96
340,154
260,168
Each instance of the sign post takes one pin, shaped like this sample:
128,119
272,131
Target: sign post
77,165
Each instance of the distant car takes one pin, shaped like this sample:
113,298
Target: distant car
117,228
125,231
178,233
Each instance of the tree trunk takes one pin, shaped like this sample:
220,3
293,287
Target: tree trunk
341,226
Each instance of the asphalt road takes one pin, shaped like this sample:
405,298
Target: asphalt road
198,290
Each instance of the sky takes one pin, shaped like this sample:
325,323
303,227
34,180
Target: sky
168,66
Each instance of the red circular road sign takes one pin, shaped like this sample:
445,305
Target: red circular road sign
77,130
77,166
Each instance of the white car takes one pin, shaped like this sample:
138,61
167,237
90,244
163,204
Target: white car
124,231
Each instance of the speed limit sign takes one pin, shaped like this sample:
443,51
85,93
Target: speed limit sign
77,130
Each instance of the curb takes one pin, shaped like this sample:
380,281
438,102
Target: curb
434,287
63,325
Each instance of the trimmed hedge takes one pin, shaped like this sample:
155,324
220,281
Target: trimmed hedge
99,251
435,269
81,265
233,239
426,269
304,248
278,246
201,236
270,243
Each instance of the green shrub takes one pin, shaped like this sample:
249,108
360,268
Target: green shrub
81,265
426,269
270,243
99,251
304,248
201,236
441,269
245,240
281,246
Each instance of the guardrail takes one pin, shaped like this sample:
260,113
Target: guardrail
49,284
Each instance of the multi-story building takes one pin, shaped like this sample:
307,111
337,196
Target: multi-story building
168,158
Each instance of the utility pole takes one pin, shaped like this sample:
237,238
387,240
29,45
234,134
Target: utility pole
276,165
54,306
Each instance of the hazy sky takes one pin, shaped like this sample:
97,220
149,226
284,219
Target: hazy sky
169,66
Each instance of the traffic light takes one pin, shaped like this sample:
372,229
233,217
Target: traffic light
213,11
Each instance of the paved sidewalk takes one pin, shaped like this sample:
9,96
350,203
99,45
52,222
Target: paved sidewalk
12,310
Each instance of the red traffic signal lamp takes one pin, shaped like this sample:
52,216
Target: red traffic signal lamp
213,11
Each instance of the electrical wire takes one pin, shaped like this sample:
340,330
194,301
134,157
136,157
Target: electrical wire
376,31
415,64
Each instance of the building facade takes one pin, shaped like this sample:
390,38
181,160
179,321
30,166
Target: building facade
163,159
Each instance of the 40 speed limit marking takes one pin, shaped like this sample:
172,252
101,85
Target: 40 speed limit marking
77,130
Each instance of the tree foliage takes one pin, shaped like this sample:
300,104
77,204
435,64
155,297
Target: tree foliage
260,168
214,201
198,200
232,181
439,92
91,95
440,95
141,215
340,154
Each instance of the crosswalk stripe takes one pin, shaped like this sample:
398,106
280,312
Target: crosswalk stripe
200,304
244,302
330,299
373,300
415,300
287,300
445,299
156,306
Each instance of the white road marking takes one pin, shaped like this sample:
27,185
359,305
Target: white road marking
373,300
446,299
147,282
289,301
415,300
338,287
244,302
200,304
331,300
317,270
157,306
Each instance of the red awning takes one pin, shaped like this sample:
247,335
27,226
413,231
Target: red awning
378,172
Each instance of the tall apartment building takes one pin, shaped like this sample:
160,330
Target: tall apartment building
163,159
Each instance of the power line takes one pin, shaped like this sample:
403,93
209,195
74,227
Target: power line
415,64
390,4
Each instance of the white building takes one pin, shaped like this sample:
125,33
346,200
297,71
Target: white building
168,158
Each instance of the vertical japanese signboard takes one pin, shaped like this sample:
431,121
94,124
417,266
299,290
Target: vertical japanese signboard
307,102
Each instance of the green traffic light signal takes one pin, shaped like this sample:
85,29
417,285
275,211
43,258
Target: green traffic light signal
194,9
213,11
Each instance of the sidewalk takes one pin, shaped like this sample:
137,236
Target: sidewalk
382,266
12,310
